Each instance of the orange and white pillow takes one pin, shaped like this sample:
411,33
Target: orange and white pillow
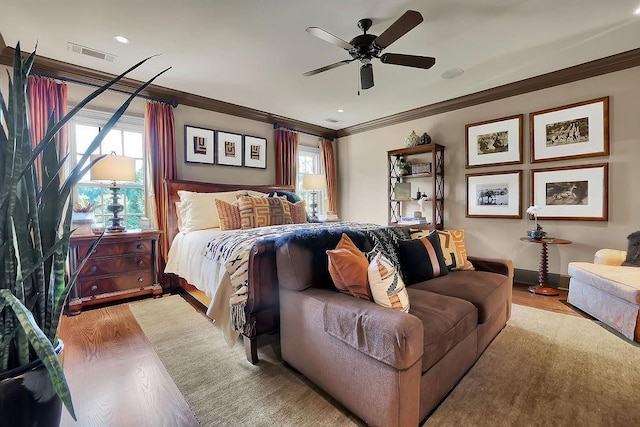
386,285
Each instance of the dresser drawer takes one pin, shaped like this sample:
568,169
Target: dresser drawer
102,266
120,248
123,282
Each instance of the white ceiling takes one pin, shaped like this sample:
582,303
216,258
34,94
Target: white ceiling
253,52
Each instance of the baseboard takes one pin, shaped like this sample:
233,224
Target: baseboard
530,277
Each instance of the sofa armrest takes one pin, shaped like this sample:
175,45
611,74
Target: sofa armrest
610,257
493,265
390,336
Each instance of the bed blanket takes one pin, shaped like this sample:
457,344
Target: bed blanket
233,249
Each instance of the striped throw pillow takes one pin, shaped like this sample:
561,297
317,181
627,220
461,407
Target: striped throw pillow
229,215
387,287
263,211
422,258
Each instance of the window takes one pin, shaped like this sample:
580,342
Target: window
126,138
309,162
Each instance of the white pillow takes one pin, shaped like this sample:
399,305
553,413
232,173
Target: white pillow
198,210
387,287
256,193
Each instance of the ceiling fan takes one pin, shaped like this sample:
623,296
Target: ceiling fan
365,47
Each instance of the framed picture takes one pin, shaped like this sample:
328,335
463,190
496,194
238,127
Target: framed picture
199,145
571,192
571,131
229,149
255,152
494,195
494,142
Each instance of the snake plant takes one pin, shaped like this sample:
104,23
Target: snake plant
35,227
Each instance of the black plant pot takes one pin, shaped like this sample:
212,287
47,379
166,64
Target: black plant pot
27,397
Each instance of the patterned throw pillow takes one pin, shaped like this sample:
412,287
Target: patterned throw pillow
422,258
263,211
298,212
453,248
633,250
229,215
386,284
348,269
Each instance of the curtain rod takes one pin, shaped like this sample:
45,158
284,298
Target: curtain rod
173,103
279,126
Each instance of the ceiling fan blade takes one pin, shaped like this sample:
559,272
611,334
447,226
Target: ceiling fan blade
425,62
402,26
327,67
366,76
328,37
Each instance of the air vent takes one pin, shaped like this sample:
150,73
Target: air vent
82,50
330,120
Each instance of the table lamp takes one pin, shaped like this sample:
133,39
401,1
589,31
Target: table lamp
313,183
114,168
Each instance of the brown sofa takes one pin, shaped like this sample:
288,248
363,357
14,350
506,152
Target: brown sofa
388,367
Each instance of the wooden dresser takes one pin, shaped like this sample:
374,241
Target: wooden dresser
123,265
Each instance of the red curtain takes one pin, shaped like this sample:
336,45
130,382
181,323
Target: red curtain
159,126
286,142
45,96
329,166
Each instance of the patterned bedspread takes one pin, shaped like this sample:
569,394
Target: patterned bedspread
233,249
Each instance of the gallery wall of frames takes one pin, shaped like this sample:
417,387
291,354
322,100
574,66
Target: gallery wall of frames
217,147
576,192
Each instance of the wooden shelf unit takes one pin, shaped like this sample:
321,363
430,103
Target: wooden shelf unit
433,184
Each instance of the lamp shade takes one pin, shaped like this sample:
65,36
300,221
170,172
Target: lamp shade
113,168
314,182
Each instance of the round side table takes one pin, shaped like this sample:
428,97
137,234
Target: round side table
543,270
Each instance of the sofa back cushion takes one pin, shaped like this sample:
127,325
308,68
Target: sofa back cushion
348,269
422,258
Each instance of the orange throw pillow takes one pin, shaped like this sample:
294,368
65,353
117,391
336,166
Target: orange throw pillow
229,215
298,212
348,269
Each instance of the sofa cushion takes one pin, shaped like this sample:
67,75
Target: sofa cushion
387,287
422,258
620,281
348,269
447,321
487,291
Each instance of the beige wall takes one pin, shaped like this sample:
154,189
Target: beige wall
363,168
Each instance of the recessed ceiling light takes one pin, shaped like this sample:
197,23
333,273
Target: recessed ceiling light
452,73
121,39
637,11
341,111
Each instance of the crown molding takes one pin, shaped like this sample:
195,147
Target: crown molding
88,76
594,68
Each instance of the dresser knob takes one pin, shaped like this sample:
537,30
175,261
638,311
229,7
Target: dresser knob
140,262
94,287
140,279
93,268
140,246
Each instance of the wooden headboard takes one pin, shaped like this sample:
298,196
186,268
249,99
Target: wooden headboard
173,186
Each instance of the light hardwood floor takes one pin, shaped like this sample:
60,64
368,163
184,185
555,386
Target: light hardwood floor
117,379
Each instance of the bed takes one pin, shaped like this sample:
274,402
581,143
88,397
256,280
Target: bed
261,309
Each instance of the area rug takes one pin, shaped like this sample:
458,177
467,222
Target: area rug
544,368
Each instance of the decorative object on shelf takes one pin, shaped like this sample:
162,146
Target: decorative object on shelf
424,139
404,167
255,152
199,145
417,168
494,195
144,223
412,140
570,132
314,183
494,142
114,168
402,191
536,233
229,148
572,192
